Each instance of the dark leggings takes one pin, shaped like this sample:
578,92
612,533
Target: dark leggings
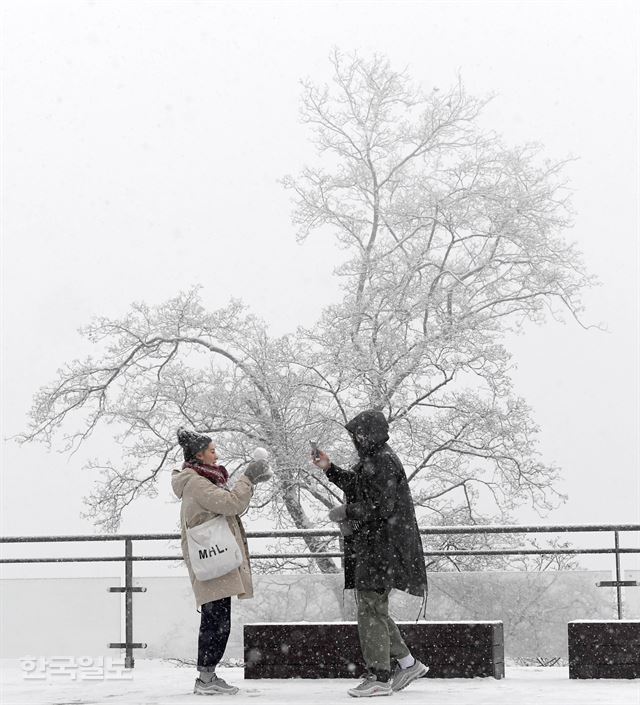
215,625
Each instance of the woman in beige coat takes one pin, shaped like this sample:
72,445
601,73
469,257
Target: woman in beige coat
201,484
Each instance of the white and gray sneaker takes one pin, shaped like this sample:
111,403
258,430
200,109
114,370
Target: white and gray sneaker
216,686
403,676
370,687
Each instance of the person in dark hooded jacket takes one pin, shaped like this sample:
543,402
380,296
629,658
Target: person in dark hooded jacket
382,548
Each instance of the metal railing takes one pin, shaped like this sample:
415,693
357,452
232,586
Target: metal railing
129,558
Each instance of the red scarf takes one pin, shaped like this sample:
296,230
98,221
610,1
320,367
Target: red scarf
215,473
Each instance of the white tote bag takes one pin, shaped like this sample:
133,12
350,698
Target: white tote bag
213,549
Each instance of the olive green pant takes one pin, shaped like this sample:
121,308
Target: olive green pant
380,638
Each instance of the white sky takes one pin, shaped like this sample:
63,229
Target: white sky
142,143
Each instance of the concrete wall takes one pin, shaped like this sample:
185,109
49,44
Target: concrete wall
58,617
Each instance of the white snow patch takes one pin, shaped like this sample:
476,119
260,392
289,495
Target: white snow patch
605,621
422,621
162,683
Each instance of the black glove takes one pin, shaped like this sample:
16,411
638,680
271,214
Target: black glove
338,513
346,528
258,471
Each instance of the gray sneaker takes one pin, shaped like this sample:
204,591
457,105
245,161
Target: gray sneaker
403,676
216,686
370,687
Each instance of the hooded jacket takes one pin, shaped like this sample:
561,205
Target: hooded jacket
385,550
201,501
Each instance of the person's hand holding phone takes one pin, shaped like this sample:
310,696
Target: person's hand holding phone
318,457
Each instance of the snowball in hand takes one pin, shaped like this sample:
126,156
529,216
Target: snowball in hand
260,454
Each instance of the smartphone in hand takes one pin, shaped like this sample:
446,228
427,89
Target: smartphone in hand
315,451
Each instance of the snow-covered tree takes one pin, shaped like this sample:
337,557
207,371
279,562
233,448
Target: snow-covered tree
451,240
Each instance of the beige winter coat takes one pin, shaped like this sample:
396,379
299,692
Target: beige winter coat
201,501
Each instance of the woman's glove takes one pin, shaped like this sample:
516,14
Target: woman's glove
258,471
338,513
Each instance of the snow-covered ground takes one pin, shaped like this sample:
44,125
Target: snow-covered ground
162,683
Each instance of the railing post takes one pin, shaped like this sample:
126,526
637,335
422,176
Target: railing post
128,603
128,590
618,586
